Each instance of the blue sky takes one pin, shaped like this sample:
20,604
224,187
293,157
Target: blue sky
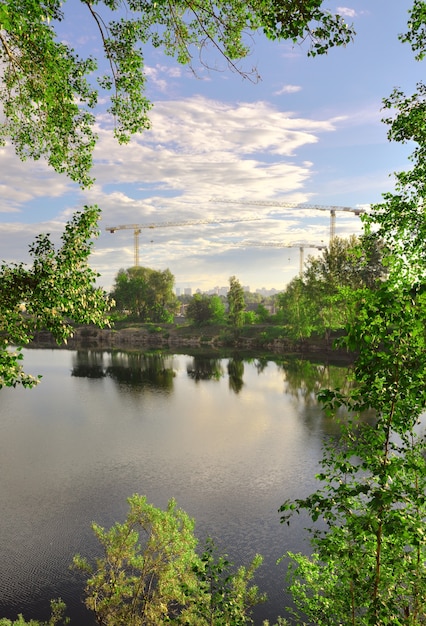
308,132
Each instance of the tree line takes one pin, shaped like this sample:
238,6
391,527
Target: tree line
147,295
317,303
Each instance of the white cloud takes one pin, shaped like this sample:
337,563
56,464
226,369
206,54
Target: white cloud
197,149
160,75
288,89
22,183
346,11
197,146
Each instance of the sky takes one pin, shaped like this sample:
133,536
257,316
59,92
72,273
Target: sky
224,148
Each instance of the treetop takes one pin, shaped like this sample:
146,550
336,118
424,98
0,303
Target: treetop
49,93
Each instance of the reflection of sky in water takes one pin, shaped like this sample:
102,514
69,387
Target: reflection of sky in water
74,448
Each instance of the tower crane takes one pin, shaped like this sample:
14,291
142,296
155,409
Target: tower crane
137,228
317,207
283,244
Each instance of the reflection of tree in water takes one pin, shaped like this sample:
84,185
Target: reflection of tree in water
261,363
236,373
130,368
88,364
140,369
305,379
205,368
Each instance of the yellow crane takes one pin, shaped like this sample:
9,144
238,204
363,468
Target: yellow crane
137,228
283,244
297,205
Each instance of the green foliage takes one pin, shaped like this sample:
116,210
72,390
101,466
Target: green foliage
262,314
267,334
416,34
280,622
55,291
250,317
236,303
300,20
299,313
43,87
251,297
146,569
224,597
324,299
145,293
355,262
151,573
369,550
48,102
368,515
400,218
205,309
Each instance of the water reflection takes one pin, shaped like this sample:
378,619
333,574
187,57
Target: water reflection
305,378
205,367
230,451
302,379
88,364
134,369
236,373
261,363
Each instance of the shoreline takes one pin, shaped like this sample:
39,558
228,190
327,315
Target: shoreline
176,338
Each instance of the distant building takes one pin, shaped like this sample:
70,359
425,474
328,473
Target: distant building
267,292
223,291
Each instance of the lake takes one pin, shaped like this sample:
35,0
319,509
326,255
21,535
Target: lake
229,438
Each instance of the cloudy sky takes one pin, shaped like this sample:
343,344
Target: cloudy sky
308,132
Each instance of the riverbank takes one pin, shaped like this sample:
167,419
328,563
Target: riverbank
177,337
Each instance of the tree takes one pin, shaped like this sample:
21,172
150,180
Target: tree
145,293
262,314
368,565
205,309
369,549
299,312
56,290
321,301
150,573
236,303
353,262
48,102
136,583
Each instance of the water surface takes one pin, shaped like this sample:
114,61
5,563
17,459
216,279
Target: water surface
229,439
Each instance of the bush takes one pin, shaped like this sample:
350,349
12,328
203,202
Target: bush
150,573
